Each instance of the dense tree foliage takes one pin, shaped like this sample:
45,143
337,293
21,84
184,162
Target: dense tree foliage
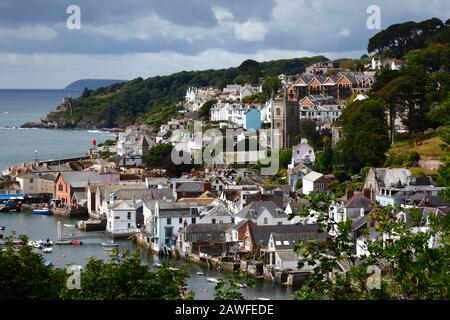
158,154
271,86
363,123
122,104
25,275
409,267
206,108
397,39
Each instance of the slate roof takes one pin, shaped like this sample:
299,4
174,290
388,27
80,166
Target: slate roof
191,186
261,234
288,240
177,209
79,179
288,256
392,177
313,176
255,208
218,211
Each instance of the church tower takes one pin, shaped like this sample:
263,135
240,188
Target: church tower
285,122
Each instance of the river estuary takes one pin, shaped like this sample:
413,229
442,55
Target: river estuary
38,227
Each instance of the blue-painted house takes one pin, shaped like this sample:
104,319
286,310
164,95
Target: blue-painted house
252,119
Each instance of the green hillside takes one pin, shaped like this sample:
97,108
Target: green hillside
122,104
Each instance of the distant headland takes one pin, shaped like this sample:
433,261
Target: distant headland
92,84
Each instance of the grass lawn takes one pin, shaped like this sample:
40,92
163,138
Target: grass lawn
429,149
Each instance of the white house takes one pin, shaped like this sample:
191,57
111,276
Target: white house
314,181
262,213
303,153
122,217
163,220
218,214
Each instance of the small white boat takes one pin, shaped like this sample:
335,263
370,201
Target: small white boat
157,265
174,269
2,242
213,280
109,245
262,299
47,250
200,273
240,285
69,225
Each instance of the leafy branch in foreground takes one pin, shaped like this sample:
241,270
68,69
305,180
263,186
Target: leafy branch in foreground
410,252
230,287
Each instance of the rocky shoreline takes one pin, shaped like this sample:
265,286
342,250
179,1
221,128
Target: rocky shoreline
53,120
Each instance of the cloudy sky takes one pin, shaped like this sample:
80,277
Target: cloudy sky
127,39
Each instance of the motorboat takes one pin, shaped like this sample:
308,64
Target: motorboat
213,280
109,245
2,228
69,225
48,243
2,242
47,250
63,242
44,211
200,273
157,265
76,242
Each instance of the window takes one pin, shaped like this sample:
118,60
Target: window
129,226
194,220
128,215
266,221
213,221
180,220
279,222
278,111
169,221
60,187
286,243
31,180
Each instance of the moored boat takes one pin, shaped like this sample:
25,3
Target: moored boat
213,280
63,242
44,212
109,245
47,250
76,242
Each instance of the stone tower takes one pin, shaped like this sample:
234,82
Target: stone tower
285,122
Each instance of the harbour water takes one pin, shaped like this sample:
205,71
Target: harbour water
38,227
19,145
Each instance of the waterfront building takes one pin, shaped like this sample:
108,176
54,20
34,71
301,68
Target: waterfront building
163,220
67,183
124,216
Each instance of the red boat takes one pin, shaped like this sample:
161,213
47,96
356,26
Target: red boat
76,242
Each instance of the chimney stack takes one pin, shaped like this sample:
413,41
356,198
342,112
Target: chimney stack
349,193
367,193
